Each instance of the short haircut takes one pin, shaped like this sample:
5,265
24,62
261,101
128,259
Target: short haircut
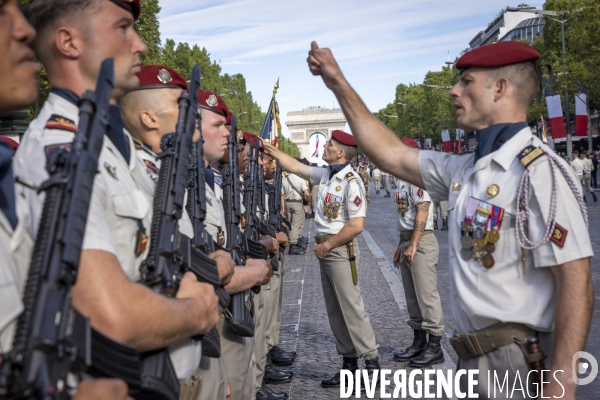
525,77
349,151
44,14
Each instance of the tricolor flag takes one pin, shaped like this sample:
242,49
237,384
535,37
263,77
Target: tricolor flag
316,153
446,141
271,124
459,141
581,119
555,113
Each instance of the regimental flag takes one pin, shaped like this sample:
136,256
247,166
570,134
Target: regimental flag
555,113
446,141
271,125
581,119
316,152
459,141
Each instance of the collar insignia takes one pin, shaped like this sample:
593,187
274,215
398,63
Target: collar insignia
164,76
112,171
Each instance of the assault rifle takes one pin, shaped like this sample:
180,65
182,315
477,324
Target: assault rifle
276,219
52,338
171,253
264,227
240,245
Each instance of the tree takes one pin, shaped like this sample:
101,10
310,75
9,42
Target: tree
147,26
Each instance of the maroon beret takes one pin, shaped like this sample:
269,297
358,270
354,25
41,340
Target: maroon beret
210,101
343,138
133,6
498,55
251,139
410,142
160,77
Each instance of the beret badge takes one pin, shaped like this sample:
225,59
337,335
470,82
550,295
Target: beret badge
164,76
212,101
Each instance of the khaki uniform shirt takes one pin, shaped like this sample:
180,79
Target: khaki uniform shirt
411,195
299,184
349,194
376,174
504,293
16,247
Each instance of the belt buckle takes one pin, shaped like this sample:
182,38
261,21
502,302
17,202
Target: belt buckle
474,347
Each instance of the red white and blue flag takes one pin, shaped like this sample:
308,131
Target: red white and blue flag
555,113
581,119
316,153
446,141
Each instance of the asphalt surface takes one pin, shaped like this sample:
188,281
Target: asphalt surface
306,329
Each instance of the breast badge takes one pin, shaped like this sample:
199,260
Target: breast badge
492,191
112,171
480,231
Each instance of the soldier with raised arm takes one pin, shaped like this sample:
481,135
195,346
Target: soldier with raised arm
517,248
340,217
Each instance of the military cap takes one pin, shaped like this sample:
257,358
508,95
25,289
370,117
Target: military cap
343,137
160,77
498,55
133,6
410,142
213,102
251,139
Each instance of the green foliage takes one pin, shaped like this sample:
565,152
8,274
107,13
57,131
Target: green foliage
148,28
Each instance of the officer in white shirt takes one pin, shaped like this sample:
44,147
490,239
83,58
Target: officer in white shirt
519,247
118,226
417,257
340,217
18,90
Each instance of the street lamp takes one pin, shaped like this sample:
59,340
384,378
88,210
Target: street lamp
548,14
435,86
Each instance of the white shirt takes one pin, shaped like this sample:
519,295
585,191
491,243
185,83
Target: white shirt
577,166
482,297
297,182
349,194
376,174
413,195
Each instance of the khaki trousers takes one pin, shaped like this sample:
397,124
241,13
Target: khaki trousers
586,182
275,303
420,286
314,194
367,195
377,184
386,182
261,306
296,216
345,307
236,353
505,360
442,206
213,379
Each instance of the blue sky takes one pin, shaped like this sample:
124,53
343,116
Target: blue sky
378,44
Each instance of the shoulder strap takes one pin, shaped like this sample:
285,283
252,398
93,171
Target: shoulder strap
350,176
292,185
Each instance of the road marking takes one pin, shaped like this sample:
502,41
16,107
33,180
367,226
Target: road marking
394,280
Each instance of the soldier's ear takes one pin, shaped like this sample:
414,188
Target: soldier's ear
149,120
69,42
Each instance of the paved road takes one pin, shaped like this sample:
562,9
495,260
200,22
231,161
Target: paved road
306,328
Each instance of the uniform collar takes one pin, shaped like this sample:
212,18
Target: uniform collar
493,137
66,94
7,186
335,169
509,152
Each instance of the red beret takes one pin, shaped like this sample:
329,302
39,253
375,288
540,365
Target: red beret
159,77
210,101
251,139
498,55
228,118
10,142
343,138
410,142
133,6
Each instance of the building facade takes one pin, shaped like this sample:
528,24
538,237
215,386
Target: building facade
514,23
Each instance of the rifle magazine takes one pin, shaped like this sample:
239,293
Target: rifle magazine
159,380
211,344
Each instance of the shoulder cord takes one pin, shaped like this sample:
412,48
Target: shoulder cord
523,204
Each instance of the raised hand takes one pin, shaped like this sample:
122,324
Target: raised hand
321,62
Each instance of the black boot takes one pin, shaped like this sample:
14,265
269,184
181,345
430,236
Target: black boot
417,347
274,375
277,349
445,224
433,354
295,250
266,393
371,366
349,363
388,194
279,358
594,196
435,227
377,192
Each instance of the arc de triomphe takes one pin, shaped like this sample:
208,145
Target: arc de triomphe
311,128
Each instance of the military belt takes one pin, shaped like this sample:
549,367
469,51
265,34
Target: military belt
323,238
472,345
293,201
405,236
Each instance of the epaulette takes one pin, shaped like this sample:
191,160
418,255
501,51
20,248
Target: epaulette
529,154
59,122
137,143
286,174
350,176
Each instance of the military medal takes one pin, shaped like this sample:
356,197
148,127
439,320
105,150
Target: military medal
489,248
141,240
492,191
493,236
488,261
221,238
467,242
466,254
478,244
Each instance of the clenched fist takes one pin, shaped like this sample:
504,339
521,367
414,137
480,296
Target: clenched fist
321,62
